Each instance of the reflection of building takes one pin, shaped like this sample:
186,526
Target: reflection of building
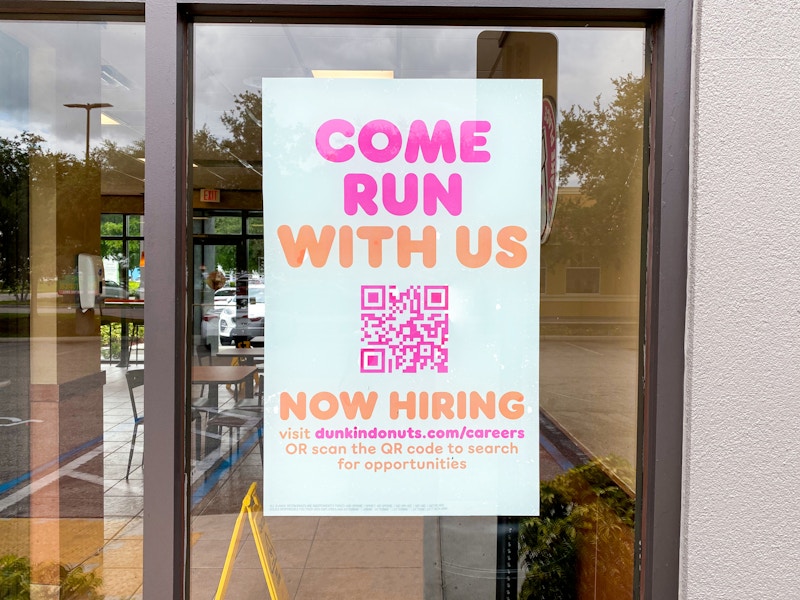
587,288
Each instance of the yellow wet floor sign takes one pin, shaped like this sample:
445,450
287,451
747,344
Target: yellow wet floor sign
266,551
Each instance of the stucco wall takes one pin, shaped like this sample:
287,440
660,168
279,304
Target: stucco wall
742,477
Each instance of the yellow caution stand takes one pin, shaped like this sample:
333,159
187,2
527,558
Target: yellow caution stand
266,551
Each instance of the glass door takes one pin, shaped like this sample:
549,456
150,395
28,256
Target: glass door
576,540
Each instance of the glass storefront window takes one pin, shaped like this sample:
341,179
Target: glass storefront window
255,225
134,225
71,140
582,544
225,225
112,225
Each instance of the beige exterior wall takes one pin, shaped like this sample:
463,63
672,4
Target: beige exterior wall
741,513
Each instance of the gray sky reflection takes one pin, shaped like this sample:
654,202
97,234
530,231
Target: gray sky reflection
231,59
44,65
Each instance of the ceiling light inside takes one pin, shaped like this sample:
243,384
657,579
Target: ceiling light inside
107,120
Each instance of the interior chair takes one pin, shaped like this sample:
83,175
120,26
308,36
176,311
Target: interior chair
200,406
203,352
244,412
135,380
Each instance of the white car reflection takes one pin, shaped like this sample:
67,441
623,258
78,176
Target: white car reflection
243,319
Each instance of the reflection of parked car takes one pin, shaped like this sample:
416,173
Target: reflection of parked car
209,327
112,289
243,319
224,296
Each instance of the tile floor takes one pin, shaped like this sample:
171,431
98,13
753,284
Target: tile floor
321,557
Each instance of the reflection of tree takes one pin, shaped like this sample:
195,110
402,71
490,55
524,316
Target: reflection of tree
240,150
205,146
602,148
15,156
125,163
244,124
234,161
63,183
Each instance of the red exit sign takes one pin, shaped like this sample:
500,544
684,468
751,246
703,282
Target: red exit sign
209,195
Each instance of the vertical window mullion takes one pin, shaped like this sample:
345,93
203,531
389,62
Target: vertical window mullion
165,213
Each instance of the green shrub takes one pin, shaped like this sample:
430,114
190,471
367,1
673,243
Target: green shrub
15,577
111,341
77,584
581,544
74,583
547,545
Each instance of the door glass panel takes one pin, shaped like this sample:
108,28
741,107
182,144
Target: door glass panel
71,328
582,545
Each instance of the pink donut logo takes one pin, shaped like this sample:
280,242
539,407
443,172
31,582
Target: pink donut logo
549,165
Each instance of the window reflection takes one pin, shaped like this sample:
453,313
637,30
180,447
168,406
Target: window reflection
589,308
582,544
70,519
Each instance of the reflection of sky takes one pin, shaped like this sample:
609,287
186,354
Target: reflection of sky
69,62
231,59
83,62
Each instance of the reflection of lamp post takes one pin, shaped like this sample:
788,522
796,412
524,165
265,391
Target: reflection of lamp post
88,107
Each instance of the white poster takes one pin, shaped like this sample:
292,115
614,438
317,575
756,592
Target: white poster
402,230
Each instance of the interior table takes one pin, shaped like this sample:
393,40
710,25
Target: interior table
247,357
213,376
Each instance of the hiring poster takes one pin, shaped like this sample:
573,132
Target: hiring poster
401,246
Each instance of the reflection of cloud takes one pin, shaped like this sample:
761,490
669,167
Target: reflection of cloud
229,58
65,62
9,129
590,58
62,63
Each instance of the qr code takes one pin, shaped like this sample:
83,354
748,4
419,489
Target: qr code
404,330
